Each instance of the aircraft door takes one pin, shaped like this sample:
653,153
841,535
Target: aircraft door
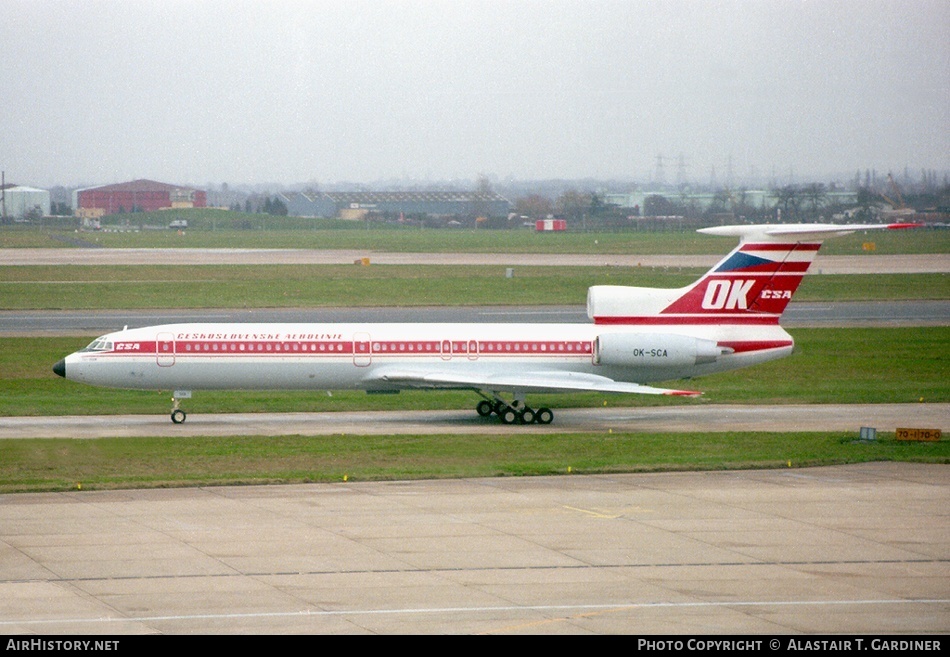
165,349
362,350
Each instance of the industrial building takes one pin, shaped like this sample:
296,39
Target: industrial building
702,201
136,196
356,205
19,202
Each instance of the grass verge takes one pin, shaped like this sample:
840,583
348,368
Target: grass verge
221,229
320,286
108,463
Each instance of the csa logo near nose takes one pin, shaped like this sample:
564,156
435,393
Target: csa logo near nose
727,295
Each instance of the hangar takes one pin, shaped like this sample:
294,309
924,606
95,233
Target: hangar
356,205
21,202
136,196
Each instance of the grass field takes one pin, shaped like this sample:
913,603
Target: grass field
55,465
313,286
281,233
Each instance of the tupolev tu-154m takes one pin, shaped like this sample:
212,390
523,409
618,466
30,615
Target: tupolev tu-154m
726,320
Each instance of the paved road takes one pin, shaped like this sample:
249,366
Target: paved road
689,416
869,264
854,550
87,323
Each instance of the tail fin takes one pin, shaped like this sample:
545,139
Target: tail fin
751,285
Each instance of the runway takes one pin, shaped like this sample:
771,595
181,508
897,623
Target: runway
857,549
38,323
860,264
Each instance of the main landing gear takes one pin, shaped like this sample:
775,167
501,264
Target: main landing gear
515,412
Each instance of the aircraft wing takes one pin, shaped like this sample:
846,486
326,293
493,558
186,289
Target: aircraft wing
537,382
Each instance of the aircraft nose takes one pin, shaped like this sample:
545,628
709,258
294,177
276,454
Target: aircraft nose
60,368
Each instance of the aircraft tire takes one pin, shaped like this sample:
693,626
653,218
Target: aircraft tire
178,416
485,408
528,416
544,416
509,416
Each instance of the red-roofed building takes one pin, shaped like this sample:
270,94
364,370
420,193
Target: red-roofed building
137,196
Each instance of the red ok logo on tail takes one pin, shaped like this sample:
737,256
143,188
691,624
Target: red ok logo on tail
756,278
727,295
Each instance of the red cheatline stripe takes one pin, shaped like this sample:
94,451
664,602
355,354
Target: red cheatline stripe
582,351
755,345
781,270
681,320
375,347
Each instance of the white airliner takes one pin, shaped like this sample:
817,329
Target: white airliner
727,319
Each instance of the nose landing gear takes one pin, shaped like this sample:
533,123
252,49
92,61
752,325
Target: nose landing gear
178,416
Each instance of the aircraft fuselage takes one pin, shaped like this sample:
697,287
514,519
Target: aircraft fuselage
358,356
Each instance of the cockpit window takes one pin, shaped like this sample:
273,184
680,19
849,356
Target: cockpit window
99,344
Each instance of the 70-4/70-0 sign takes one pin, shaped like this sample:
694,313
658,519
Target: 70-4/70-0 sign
918,434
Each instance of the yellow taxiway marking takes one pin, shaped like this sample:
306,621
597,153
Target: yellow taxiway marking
608,514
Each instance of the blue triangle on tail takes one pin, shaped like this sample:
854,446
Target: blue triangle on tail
742,260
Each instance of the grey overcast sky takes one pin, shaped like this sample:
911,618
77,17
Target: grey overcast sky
253,91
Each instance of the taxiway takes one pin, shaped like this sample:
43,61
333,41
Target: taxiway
857,549
861,264
690,416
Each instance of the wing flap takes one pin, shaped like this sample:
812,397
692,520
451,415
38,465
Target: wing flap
537,382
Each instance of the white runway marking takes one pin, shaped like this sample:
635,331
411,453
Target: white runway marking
478,609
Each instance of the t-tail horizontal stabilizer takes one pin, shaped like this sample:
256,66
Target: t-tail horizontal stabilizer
751,286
